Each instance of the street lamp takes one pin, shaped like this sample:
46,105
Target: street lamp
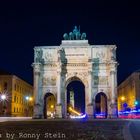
136,103
3,98
122,100
28,99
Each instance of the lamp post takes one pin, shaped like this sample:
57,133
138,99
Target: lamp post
3,98
28,99
136,104
122,100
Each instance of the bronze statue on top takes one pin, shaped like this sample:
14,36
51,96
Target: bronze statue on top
75,35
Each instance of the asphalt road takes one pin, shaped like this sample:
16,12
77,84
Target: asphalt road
135,129
62,129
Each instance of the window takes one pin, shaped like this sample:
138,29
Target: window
15,87
18,88
14,98
5,85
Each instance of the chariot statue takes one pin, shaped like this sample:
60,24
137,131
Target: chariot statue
75,35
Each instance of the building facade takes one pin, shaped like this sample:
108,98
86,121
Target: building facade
95,66
129,92
16,96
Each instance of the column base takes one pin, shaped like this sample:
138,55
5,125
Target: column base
38,117
58,111
114,112
89,111
37,114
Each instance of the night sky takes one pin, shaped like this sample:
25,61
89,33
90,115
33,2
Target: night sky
25,24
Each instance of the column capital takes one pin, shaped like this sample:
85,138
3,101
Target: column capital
59,72
36,73
112,72
90,72
36,65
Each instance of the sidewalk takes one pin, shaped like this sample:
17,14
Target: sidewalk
4,119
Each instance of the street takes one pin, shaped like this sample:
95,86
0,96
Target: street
62,129
135,129
22,128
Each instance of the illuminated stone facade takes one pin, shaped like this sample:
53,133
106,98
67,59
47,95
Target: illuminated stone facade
55,67
129,92
16,91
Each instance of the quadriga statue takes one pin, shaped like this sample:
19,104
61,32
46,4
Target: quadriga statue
78,34
65,36
83,36
71,36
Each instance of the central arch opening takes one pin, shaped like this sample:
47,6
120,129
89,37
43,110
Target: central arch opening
49,105
76,96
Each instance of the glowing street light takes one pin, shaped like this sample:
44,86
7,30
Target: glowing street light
27,98
3,97
136,102
122,98
30,98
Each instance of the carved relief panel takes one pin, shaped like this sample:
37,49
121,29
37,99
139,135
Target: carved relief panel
100,80
49,81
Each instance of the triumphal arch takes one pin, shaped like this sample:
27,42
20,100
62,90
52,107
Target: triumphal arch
95,66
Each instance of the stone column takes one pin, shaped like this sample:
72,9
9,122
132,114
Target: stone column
37,105
66,106
90,103
58,87
59,104
113,95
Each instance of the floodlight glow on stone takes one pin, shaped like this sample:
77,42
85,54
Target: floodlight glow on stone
52,106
